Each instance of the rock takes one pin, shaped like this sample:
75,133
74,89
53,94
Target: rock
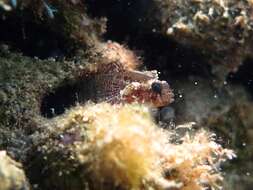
105,146
228,112
220,30
24,83
167,114
12,175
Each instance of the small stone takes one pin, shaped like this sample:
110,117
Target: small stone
167,114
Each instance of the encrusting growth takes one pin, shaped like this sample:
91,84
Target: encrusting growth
12,175
103,146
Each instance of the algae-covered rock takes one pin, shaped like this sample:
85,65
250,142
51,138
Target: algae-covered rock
226,111
24,83
11,174
88,148
33,89
222,30
69,18
219,31
49,28
119,147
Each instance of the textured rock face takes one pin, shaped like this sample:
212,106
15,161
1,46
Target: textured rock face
24,82
11,174
227,111
34,91
221,29
68,18
98,151
29,132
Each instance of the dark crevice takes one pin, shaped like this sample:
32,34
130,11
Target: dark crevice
31,37
243,76
124,16
126,25
55,103
170,58
64,97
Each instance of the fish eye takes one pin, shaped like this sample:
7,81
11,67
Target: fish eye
156,87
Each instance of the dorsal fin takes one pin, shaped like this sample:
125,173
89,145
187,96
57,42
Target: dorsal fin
140,76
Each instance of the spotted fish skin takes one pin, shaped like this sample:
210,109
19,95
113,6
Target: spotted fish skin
109,82
115,80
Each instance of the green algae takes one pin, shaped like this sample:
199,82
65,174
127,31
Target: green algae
24,82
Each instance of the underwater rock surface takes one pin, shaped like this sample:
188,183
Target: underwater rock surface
88,148
11,174
226,111
221,30
45,87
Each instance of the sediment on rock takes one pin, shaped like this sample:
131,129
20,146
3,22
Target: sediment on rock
185,41
12,175
87,148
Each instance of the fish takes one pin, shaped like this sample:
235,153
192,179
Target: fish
115,80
